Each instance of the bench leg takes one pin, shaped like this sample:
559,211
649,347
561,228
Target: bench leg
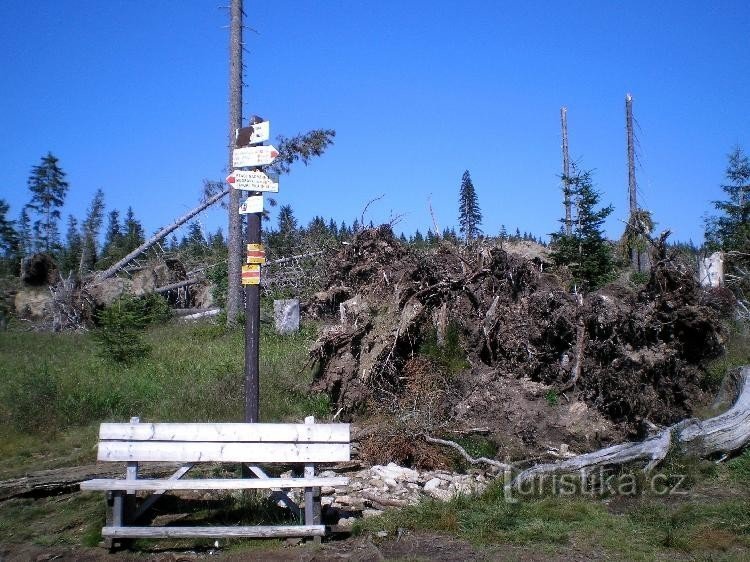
115,517
312,501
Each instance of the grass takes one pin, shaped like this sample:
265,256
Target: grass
56,388
648,528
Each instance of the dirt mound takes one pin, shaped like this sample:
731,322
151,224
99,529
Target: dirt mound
504,348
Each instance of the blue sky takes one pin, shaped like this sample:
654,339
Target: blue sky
132,97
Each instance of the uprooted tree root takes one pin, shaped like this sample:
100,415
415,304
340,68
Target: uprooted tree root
722,434
635,357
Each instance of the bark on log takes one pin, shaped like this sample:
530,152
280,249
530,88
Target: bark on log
159,235
724,433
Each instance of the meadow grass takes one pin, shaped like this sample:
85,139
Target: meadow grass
56,387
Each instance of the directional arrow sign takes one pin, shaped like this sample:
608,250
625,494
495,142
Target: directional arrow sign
253,156
253,180
258,132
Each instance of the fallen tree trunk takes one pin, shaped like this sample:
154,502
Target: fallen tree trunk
159,235
724,433
179,284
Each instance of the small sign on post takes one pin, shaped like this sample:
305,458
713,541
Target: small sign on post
251,274
254,156
255,133
253,180
253,204
256,253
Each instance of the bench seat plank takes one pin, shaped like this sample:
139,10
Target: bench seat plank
223,452
214,532
227,432
105,484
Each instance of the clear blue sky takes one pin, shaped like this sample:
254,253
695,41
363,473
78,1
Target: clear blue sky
132,97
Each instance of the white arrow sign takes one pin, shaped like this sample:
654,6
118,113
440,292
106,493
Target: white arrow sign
253,180
253,156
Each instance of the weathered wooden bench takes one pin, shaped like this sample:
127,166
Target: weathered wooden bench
303,445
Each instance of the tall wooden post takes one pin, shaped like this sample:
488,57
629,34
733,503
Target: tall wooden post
634,254
234,242
566,169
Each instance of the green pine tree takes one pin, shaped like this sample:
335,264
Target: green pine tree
48,188
71,256
469,214
9,242
585,251
730,231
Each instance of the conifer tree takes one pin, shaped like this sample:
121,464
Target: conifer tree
469,214
132,232
730,231
72,255
9,241
585,250
90,235
48,188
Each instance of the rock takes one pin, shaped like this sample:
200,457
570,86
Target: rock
432,484
143,282
328,490
442,495
108,291
286,316
396,472
33,303
346,522
381,534
371,513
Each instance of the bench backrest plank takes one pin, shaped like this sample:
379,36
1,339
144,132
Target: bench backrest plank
224,442
222,452
227,432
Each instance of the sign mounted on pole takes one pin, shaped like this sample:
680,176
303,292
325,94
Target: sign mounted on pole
253,180
251,274
253,156
253,134
253,204
256,253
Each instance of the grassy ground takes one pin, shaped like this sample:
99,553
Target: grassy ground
56,389
708,519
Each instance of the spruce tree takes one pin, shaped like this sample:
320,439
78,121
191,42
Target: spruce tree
9,242
48,188
730,231
469,214
585,250
132,233
73,242
90,234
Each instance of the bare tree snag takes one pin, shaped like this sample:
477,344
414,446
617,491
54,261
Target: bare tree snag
234,235
159,235
725,433
566,170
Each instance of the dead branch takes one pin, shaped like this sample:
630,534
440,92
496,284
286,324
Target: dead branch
464,454
725,433
159,235
370,202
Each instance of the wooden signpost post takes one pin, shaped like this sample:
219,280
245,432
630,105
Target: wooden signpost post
254,181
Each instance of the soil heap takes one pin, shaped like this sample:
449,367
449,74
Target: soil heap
478,340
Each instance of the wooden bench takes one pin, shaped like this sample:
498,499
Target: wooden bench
249,444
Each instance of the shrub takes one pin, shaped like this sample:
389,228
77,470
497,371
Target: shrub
119,336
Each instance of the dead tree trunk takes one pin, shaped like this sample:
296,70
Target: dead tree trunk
566,170
159,235
634,253
725,433
234,238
